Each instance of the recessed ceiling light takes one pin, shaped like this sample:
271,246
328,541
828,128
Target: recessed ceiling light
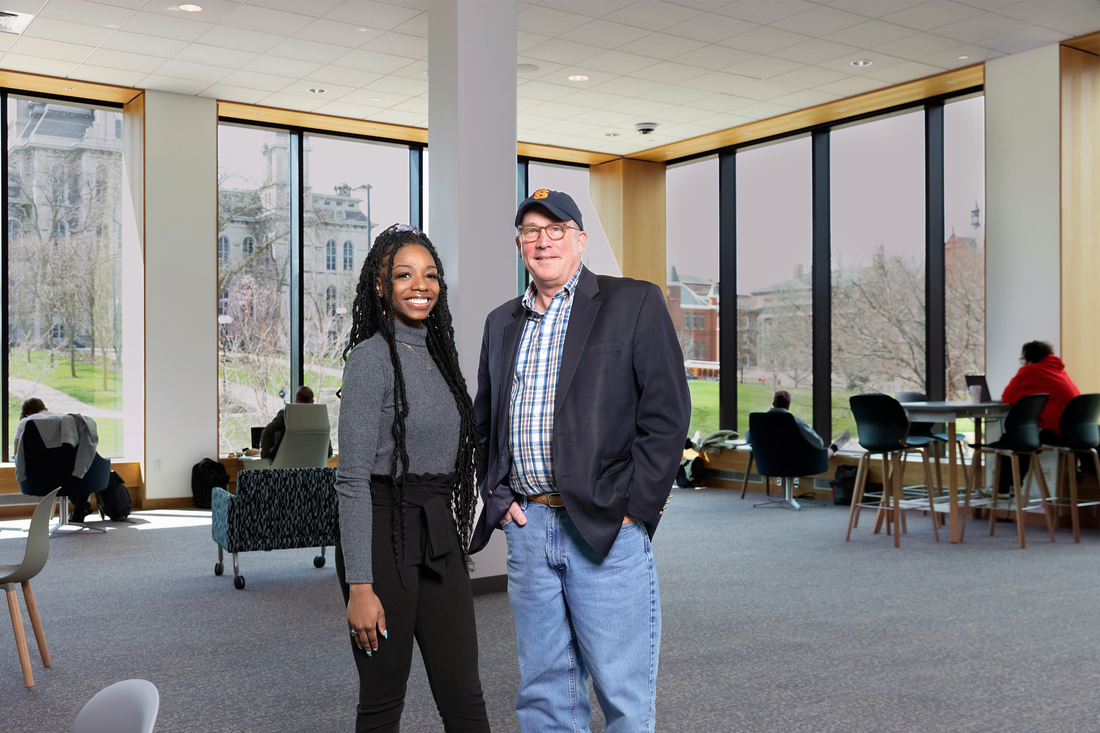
374,99
259,114
317,90
611,134
862,62
189,8
374,129
526,68
952,82
14,23
748,133
839,109
964,57
364,30
578,77
669,152
572,156
68,89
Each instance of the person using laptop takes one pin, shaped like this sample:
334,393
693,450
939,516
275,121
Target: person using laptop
273,433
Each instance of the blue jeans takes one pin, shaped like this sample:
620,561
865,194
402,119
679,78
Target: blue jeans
578,614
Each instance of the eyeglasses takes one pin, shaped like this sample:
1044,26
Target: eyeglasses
553,231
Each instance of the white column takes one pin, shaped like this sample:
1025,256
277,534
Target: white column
472,185
181,275
1023,224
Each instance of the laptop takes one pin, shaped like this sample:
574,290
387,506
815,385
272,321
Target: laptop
256,433
978,380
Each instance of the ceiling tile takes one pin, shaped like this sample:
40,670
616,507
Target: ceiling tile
397,117
676,95
763,11
420,5
540,137
253,80
551,72
240,39
870,34
977,29
628,87
763,67
418,26
151,24
417,105
303,50
640,109
215,56
80,11
525,105
806,98
397,85
42,48
351,111
878,61
111,59
547,21
993,6
874,8
316,8
605,34
903,72
763,110
281,67
662,46
715,58
669,72
287,101
38,65
131,4
233,94
587,7
818,21
1024,40
710,28
950,59
1039,13
543,91
141,43
619,62
524,41
932,14
535,121
399,44
60,30
740,86
339,34
809,77
653,15
818,51
724,121
589,99
379,63
605,118
571,127
764,40
1076,25
171,84
88,72
372,98
917,46
342,76
199,72
266,20
369,14
417,71
6,41
213,11
852,86
562,52
720,103
679,114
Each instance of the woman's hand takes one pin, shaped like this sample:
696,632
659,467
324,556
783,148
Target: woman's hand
366,617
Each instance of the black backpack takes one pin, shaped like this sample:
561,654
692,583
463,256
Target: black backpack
114,501
844,485
205,475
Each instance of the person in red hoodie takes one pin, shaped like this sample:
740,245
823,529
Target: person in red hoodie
1042,373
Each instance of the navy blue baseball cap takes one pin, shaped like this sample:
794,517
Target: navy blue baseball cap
557,203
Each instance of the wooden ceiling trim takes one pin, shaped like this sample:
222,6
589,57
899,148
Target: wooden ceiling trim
1088,44
563,155
55,86
313,121
842,109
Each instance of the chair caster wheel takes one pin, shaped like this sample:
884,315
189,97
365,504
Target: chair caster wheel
218,569
319,561
238,582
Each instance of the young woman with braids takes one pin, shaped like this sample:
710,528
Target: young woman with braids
408,449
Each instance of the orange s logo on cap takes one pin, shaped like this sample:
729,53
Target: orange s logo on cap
540,194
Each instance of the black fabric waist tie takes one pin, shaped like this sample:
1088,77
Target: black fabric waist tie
430,523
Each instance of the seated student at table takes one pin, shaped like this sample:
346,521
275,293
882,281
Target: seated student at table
1042,373
273,432
781,402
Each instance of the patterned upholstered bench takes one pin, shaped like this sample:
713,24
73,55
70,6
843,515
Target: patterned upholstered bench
275,509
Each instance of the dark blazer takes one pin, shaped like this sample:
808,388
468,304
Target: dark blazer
621,409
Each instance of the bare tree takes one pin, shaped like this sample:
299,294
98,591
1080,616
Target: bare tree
964,285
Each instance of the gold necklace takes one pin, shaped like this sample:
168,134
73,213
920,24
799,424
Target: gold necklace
418,356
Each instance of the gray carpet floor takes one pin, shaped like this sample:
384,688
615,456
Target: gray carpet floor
771,623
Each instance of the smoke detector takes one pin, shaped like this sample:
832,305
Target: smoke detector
645,128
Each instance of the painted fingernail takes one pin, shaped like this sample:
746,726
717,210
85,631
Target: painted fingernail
385,634
368,653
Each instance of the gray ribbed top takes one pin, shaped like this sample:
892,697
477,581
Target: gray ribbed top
432,430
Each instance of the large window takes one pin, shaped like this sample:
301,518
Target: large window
774,288
573,180
65,268
691,203
254,281
877,191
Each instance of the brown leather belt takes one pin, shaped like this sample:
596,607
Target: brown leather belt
553,500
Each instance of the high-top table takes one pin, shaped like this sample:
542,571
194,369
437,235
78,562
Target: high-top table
949,412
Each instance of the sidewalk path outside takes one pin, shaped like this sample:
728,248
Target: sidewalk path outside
55,399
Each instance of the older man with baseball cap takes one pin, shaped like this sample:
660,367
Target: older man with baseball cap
582,408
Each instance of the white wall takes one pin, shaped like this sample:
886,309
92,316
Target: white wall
181,272
1022,140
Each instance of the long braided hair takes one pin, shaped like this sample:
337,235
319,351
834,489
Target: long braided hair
370,315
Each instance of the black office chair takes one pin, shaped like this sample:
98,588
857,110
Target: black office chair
1080,436
937,431
50,468
780,451
1020,437
884,429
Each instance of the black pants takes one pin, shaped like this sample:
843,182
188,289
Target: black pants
436,609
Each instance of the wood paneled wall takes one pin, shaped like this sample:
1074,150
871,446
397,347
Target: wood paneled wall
629,196
1080,100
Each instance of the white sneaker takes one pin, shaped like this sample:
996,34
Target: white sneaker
841,440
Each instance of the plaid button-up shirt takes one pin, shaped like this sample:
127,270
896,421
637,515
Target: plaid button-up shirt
534,386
